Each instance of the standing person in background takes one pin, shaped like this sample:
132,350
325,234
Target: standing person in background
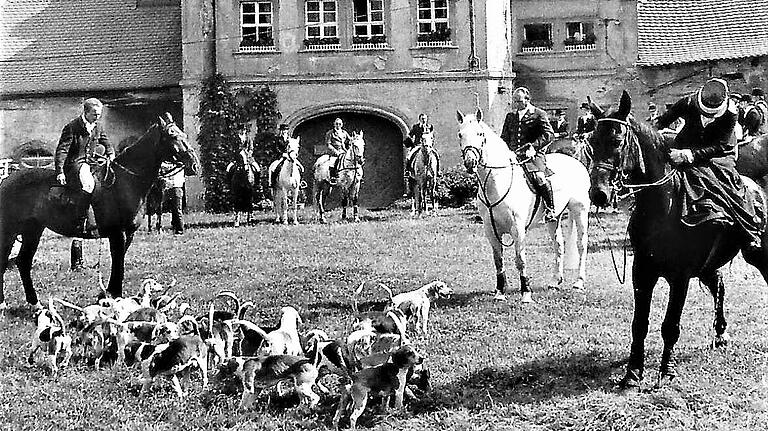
758,97
560,124
586,122
173,178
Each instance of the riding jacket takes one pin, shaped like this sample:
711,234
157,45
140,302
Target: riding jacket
337,141
534,128
77,147
585,124
417,130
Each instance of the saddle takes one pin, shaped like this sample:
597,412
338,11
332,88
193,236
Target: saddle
72,200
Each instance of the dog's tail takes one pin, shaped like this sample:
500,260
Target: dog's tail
68,304
357,293
102,287
231,295
55,314
250,325
244,309
400,321
387,289
210,321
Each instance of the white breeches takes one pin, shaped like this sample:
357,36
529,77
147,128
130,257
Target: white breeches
86,178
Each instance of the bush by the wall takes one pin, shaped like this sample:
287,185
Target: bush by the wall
455,187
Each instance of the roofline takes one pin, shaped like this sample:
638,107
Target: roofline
692,61
120,95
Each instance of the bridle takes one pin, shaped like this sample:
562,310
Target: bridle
629,149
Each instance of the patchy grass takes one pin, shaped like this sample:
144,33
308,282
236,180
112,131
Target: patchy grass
550,365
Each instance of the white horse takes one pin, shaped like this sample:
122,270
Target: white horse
350,176
287,182
424,166
508,206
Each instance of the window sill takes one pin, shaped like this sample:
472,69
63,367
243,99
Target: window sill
435,44
370,46
536,49
583,47
257,50
327,47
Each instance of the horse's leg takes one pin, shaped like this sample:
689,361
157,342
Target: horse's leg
716,286
501,275
30,239
295,193
558,246
522,268
237,218
319,196
284,205
580,221
643,281
117,248
344,202
670,329
413,191
6,244
355,206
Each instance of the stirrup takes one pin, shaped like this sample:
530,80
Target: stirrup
333,181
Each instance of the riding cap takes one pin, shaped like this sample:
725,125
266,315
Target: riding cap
712,98
758,92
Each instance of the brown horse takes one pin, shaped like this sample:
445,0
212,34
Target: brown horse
630,153
27,207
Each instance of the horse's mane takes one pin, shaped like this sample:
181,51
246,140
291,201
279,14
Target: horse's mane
647,135
125,152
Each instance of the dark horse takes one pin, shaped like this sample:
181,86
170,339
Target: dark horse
633,154
26,207
244,180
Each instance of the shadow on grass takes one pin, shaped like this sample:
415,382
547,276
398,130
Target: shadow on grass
532,383
458,300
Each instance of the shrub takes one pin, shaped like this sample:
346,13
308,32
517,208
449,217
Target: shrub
456,187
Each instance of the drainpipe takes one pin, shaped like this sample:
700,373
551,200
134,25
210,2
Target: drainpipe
473,61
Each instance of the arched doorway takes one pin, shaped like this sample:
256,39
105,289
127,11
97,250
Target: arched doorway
383,171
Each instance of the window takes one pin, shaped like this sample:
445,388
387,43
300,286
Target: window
537,37
321,21
580,36
256,25
368,21
432,21
36,158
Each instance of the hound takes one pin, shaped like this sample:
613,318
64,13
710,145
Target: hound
283,341
390,321
50,335
386,380
177,358
417,302
263,372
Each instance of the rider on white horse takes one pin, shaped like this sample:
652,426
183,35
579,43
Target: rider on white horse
528,133
415,139
285,136
336,139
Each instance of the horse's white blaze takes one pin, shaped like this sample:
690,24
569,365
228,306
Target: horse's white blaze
503,186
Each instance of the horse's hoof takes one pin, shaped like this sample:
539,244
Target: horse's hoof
525,298
499,297
631,380
555,284
295,222
721,341
578,285
664,380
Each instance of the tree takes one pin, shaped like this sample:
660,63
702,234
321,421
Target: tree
221,117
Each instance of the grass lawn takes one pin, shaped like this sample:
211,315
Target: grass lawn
551,365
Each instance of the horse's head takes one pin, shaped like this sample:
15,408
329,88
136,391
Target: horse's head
471,138
611,161
174,145
428,140
357,147
292,148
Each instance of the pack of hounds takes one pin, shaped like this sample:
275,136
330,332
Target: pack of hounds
377,357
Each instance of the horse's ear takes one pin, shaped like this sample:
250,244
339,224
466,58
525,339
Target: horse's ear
298,139
161,122
597,111
360,133
625,105
459,116
479,115
168,117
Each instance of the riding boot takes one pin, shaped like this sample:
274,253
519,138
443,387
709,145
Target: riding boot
408,192
549,201
333,175
85,224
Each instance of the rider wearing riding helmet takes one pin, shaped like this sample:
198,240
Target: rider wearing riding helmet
705,151
337,140
83,145
528,133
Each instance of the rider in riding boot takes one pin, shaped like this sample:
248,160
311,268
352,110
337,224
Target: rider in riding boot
414,138
285,136
705,151
336,139
528,132
82,140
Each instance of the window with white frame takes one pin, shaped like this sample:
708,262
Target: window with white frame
432,20
256,23
537,37
368,21
321,19
580,33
